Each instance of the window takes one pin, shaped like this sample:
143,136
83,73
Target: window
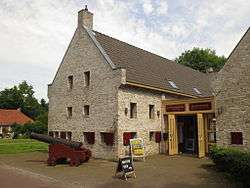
56,135
69,135
87,78
69,110
70,81
86,110
151,111
63,135
236,138
107,138
196,90
133,110
89,137
211,136
127,136
173,84
155,136
51,133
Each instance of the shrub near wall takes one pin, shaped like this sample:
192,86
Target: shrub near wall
232,161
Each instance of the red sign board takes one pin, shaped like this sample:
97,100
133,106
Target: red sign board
200,106
175,108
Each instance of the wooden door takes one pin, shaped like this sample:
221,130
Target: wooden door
201,135
172,138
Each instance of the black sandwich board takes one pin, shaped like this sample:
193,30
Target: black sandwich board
125,165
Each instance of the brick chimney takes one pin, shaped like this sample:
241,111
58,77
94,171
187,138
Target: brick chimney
85,18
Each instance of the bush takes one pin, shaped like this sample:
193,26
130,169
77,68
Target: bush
23,131
232,161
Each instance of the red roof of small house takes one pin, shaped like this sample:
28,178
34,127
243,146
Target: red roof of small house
10,116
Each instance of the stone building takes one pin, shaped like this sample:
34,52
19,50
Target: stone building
106,92
232,97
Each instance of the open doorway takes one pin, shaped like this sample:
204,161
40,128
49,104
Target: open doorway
187,134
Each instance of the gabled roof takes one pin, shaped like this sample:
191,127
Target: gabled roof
143,67
9,117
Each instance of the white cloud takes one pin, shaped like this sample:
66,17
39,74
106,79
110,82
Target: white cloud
162,7
34,34
147,7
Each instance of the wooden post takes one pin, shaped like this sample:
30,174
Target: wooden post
201,135
172,138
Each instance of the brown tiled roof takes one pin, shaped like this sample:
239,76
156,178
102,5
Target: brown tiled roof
148,69
9,117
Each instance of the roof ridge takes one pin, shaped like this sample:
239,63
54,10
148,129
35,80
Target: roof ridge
170,61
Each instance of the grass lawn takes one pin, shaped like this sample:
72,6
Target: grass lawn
13,146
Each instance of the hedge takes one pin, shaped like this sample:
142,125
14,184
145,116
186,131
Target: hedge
233,161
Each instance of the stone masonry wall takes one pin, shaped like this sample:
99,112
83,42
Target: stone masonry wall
142,125
101,95
232,90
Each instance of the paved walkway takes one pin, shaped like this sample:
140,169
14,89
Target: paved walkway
30,170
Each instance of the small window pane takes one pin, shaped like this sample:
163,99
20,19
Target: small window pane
87,78
70,81
69,110
151,111
133,110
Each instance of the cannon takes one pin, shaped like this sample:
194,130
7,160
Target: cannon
62,149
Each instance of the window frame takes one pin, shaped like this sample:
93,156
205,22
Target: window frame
86,108
236,138
151,111
69,112
133,110
70,81
107,138
87,78
89,137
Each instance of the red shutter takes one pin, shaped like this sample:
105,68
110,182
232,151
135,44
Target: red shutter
109,139
157,137
63,135
126,137
236,138
90,137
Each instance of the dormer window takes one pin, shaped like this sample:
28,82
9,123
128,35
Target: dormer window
196,91
173,84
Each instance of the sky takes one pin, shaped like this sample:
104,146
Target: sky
34,34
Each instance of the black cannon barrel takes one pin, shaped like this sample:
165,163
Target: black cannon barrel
51,140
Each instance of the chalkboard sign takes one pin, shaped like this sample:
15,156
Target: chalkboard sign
125,165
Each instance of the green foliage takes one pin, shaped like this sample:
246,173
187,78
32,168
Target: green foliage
201,59
22,96
23,131
10,146
232,161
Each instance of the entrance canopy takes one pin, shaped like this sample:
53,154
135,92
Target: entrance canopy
202,108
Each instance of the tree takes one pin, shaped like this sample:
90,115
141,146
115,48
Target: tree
201,59
22,96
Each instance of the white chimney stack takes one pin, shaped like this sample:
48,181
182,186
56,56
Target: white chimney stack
85,18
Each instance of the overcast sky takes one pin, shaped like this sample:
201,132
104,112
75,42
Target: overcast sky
34,34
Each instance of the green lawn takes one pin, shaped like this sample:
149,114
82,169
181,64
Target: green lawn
13,146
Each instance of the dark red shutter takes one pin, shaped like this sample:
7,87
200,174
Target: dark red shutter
109,139
126,137
236,138
90,137
157,137
63,135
